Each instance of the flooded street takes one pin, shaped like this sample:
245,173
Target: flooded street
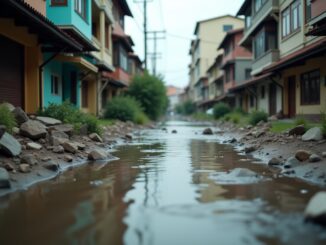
165,189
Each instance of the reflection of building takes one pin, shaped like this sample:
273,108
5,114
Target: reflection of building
173,94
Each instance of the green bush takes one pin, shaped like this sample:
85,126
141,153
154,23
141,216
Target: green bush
202,116
257,116
150,91
125,108
300,120
7,118
68,113
186,108
220,110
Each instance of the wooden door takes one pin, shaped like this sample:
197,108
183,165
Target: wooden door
291,96
272,99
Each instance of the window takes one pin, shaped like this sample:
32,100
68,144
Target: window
80,8
308,10
252,101
259,4
85,94
291,19
247,74
55,85
123,60
58,2
310,88
262,92
259,44
227,28
248,21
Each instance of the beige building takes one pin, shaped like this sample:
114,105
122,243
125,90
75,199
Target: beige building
203,51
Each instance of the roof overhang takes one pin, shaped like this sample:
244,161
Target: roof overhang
125,7
48,33
244,7
251,81
79,61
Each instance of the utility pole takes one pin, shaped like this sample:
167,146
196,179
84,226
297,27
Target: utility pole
156,35
145,28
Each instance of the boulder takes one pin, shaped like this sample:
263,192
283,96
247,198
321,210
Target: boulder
4,178
66,128
274,162
68,158
20,115
15,130
314,158
51,165
316,209
70,147
9,145
98,154
128,136
48,121
59,134
54,141
9,166
9,106
58,149
24,168
33,146
249,149
33,130
291,162
29,159
95,137
313,134
324,154
174,131
208,131
298,130
302,155
80,146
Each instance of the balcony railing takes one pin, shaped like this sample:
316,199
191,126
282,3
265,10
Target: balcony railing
265,60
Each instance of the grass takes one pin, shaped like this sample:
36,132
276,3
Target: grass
281,126
202,116
106,122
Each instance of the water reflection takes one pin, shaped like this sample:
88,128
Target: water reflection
161,191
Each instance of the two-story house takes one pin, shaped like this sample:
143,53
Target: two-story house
302,57
261,38
236,64
71,76
26,37
209,34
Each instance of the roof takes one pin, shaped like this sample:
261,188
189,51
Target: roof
119,34
244,7
135,57
211,19
47,31
217,59
125,7
228,35
251,81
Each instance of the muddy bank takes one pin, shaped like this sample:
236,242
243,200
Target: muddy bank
48,157
278,150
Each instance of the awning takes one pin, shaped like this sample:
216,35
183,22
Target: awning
48,33
80,38
250,82
79,61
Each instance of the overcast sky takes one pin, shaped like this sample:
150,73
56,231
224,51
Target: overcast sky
178,18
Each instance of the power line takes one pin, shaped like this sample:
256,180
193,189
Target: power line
156,35
190,39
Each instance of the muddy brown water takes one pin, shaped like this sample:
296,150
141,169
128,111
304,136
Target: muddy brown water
163,190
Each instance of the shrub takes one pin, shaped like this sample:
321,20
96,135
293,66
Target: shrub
323,123
257,116
186,108
125,109
202,116
236,118
7,118
151,93
300,120
68,113
220,110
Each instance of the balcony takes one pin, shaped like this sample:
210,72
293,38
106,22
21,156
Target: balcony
106,6
269,8
265,60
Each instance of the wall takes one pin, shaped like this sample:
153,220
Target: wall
39,5
240,70
318,7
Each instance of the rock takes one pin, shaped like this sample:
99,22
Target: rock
316,209
313,134
51,165
33,146
9,145
128,136
33,130
233,140
249,149
298,130
174,131
66,128
302,155
45,159
48,121
9,167
80,146
59,134
273,118
98,154
42,141
4,178
95,137
291,162
2,130
83,130
274,162
208,131
58,149
314,158
29,159
68,158
9,106
15,130
20,115
70,147
261,123
54,141
24,168
324,154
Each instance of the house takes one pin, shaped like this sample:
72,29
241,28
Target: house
261,38
236,64
71,76
173,93
26,37
209,34
135,65
122,46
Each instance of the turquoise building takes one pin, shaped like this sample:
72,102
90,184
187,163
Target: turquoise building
68,75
